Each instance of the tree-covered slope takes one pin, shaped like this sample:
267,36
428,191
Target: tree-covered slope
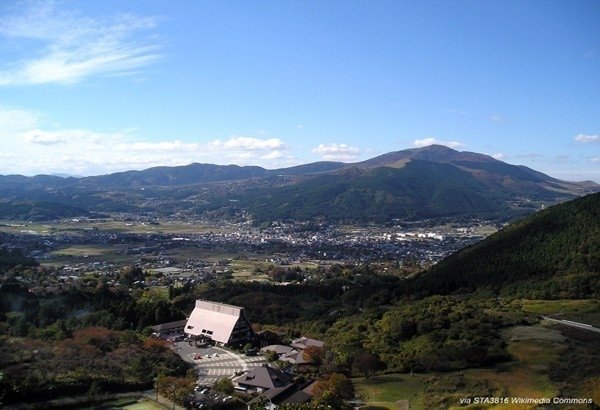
419,189
553,253
38,210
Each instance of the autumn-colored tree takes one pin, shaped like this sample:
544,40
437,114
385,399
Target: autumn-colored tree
332,391
314,355
104,339
177,389
156,345
365,364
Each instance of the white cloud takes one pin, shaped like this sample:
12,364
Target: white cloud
498,118
587,139
72,47
42,137
273,155
86,152
433,141
15,119
30,147
249,143
455,111
337,152
499,156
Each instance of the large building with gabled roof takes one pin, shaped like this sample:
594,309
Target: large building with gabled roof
221,323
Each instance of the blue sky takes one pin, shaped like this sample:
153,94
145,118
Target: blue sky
90,87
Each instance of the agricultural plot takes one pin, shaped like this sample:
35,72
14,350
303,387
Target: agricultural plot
88,253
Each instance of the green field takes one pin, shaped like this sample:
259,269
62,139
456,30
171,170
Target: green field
534,349
112,226
384,391
580,310
144,405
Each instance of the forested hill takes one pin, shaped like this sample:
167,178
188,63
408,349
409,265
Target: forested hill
13,258
554,253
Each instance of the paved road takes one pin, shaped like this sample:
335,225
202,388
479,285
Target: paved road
577,325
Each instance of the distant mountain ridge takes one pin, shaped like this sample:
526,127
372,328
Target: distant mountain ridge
429,182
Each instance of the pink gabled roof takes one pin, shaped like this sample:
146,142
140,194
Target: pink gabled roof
214,317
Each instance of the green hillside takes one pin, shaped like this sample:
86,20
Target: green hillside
419,189
38,210
554,253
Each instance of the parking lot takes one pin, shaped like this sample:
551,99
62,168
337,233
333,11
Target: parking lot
214,363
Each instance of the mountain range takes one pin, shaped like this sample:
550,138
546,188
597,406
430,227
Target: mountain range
429,182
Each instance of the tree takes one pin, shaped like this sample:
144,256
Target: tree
314,355
332,391
247,346
365,364
271,355
177,389
224,386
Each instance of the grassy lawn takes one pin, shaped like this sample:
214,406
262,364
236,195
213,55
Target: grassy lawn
385,390
535,349
581,310
536,352
144,405
550,307
520,381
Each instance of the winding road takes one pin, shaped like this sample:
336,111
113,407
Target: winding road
578,325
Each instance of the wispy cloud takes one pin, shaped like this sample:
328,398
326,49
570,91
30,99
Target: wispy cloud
433,141
499,156
71,47
587,139
337,152
498,118
455,111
